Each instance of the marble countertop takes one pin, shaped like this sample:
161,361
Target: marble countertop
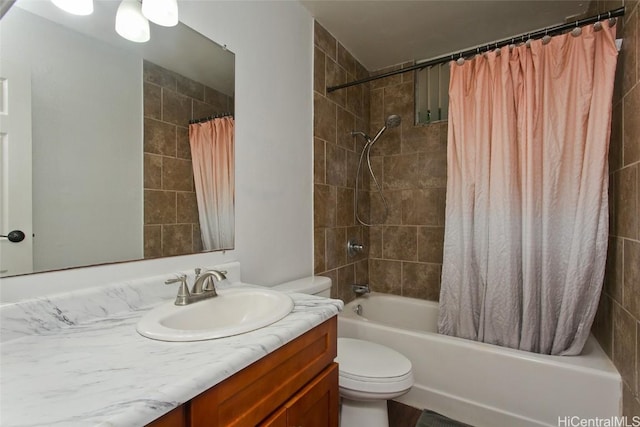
77,360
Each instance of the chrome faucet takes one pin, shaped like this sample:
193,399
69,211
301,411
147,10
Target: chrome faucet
203,286
360,289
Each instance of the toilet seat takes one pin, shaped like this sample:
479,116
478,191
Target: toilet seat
372,368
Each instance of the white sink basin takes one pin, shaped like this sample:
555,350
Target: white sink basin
232,312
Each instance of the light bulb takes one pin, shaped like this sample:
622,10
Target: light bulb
130,23
161,12
75,7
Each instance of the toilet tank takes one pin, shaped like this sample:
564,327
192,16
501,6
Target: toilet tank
313,285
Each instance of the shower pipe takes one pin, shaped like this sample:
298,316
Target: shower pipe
549,31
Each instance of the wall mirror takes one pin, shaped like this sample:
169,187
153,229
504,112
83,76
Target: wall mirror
107,176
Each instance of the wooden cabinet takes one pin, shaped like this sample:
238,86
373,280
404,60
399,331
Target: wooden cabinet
296,385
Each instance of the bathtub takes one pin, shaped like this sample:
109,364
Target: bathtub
482,384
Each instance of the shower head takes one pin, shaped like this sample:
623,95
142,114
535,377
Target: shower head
393,121
362,134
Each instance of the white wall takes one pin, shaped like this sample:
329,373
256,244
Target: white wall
77,219
273,44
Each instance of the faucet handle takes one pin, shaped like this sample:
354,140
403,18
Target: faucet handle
183,292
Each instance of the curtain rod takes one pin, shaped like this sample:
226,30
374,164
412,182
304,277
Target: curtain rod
214,116
493,45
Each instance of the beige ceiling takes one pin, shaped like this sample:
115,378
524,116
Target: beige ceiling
388,32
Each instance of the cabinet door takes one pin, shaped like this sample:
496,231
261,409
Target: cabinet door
175,418
316,405
278,419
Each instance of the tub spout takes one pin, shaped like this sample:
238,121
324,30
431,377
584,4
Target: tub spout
360,289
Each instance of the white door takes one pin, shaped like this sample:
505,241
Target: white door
15,168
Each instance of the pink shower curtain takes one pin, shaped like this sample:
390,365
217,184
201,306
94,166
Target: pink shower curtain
212,154
526,213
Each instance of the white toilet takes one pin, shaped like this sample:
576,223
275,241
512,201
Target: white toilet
369,373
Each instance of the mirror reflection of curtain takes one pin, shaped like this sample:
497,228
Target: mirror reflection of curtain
212,153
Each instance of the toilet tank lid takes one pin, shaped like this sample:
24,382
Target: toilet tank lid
307,285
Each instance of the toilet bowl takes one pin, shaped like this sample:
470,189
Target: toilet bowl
369,373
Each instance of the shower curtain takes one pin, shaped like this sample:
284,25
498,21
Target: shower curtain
526,208
212,154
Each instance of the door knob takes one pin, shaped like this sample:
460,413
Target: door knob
14,236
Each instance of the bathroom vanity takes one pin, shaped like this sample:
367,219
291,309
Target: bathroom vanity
295,385
77,360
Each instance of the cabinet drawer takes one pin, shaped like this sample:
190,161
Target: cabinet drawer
252,394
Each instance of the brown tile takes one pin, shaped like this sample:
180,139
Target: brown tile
386,81
346,60
333,275
362,271
394,203
220,102
335,75
159,137
324,118
324,205
336,165
202,110
377,106
197,239
375,241
638,359
624,344
176,108
613,202
336,255
385,276
352,168
318,71
346,123
401,172
399,100
615,141
631,128
424,143
613,271
159,207
401,415
631,291
324,40
182,143
620,67
318,251
630,404
153,73
152,101
345,214
361,71
388,144
400,242
190,88
366,102
430,244
177,239
432,168
318,161
152,171
377,165
187,208
602,327
424,207
626,208
355,101
346,278
629,52
152,241
421,280
177,174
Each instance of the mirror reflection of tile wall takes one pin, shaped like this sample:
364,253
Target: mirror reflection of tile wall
171,225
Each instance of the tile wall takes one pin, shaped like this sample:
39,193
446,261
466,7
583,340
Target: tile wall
617,325
335,161
171,225
410,162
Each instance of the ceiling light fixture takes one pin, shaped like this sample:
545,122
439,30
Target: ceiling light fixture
130,23
75,7
161,12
